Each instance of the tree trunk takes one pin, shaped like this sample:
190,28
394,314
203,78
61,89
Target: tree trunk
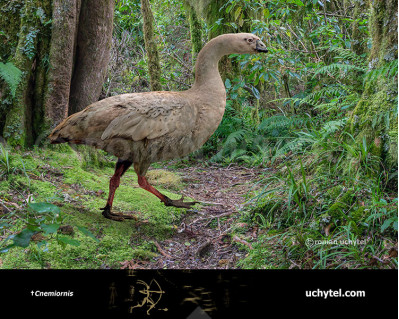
18,122
93,50
154,68
43,47
62,49
375,116
195,31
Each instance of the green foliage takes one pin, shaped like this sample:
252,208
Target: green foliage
29,48
9,165
11,75
43,218
388,71
40,217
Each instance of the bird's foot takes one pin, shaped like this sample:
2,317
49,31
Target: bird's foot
178,202
114,216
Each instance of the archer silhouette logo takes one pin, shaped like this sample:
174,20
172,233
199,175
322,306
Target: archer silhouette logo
152,295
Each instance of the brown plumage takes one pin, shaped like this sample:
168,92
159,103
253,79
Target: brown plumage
143,128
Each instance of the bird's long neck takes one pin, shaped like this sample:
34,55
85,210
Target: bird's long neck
207,76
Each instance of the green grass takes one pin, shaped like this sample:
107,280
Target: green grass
65,178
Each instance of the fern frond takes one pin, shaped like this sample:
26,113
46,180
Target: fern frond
389,71
338,69
332,91
281,122
295,145
11,75
348,55
333,126
235,137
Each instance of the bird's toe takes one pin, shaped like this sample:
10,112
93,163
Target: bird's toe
179,203
107,213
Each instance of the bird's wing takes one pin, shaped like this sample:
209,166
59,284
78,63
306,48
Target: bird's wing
148,116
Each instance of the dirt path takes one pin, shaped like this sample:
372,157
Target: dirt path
204,239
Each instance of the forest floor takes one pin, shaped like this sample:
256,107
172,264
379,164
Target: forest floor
210,235
205,237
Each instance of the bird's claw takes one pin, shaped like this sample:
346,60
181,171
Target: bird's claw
107,213
178,202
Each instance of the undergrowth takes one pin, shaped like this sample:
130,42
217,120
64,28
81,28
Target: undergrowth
50,215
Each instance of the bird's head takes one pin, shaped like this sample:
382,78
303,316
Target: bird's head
242,43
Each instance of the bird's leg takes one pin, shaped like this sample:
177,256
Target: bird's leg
120,169
165,199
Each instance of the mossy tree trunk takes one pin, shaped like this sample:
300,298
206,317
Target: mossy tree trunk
195,31
32,30
375,116
154,68
42,38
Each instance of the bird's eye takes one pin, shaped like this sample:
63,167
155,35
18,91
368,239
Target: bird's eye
250,40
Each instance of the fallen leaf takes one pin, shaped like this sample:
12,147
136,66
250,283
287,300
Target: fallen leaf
38,237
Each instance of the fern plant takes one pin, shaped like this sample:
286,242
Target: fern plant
11,75
231,145
389,71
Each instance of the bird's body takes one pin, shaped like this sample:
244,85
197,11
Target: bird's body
143,128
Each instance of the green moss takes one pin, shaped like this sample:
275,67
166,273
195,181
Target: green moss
24,119
9,24
195,31
370,118
144,254
334,192
357,217
165,179
80,193
16,130
154,67
338,210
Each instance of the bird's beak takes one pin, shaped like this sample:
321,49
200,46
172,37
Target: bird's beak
260,46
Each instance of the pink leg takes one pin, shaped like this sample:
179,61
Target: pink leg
165,199
114,184
120,169
145,185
